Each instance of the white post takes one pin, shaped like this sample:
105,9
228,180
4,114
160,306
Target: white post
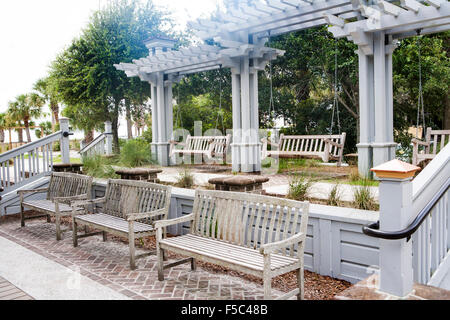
64,142
109,137
383,146
236,101
154,122
395,194
366,113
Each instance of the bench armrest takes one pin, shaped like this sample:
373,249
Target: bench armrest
21,192
87,202
65,199
143,215
417,141
340,145
165,223
177,143
273,246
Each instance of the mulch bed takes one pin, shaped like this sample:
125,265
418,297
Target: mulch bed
317,287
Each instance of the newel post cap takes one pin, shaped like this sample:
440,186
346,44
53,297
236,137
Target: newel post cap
395,169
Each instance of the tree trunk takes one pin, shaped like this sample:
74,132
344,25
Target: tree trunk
20,135
115,128
55,116
88,136
129,122
27,130
2,136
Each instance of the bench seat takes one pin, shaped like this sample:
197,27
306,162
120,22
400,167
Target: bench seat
48,205
107,221
218,250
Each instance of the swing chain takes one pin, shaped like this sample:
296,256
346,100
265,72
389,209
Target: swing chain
336,99
420,104
220,101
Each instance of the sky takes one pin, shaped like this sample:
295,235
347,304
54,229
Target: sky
33,32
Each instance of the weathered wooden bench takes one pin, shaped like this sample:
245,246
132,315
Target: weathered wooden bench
435,140
129,209
325,147
63,188
258,235
209,146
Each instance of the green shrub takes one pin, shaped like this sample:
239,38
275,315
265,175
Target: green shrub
56,146
334,198
147,135
99,167
298,188
185,179
135,153
363,197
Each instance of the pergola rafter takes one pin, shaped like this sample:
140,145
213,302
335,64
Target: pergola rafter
239,35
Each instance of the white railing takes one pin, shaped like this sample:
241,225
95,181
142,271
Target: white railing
96,147
431,242
27,163
102,145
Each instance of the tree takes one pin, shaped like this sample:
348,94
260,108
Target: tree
46,87
87,80
25,108
45,130
3,127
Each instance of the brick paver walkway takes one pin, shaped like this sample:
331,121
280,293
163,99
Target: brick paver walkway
107,263
10,292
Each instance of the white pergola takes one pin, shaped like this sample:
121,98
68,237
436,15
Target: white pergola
239,37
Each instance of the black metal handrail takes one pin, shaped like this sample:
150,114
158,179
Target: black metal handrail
373,229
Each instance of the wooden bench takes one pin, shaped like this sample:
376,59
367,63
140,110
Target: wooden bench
325,147
209,146
435,140
129,209
258,235
63,188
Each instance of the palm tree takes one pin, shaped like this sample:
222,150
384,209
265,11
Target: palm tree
2,127
46,88
26,107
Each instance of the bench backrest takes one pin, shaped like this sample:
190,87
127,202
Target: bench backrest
308,144
131,196
248,220
438,138
65,184
203,143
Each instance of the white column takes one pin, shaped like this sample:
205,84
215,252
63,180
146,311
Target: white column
168,110
366,113
383,146
246,166
64,142
109,137
154,122
237,129
254,115
162,142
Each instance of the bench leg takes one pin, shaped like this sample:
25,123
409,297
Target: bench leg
49,219
22,216
58,226
132,250
160,257
75,233
105,236
193,265
267,278
301,283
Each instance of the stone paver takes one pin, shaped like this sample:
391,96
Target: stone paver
107,263
10,292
